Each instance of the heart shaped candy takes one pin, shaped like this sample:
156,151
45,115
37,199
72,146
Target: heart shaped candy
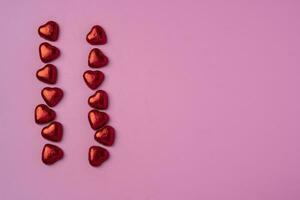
96,36
97,59
47,74
44,114
99,100
52,96
97,155
53,132
105,135
49,31
97,119
51,153
48,52
93,78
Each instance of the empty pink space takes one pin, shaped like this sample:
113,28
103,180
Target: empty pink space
204,97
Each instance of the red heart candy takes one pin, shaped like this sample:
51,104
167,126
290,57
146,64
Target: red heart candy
48,52
96,36
51,153
97,155
97,58
93,78
49,31
99,100
47,74
53,132
44,114
97,119
52,96
105,135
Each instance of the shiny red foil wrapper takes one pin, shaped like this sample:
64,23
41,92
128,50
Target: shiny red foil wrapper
51,154
52,95
97,119
48,52
96,36
99,100
47,74
97,155
43,114
49,31
97,59
93,79
53,132
105,135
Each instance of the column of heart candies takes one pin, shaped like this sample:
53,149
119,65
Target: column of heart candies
98,120
51,95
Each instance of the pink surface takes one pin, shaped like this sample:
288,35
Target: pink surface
204,96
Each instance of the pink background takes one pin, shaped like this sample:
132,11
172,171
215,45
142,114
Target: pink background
204,96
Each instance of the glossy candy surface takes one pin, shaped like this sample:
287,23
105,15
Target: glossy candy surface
53,132
48,52
51,153
97,119
47,74
52,96
93,78
97,155
96,36
99,100
97,59
49,31
105,135
43,114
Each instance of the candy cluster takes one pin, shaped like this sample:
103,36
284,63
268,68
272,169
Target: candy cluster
98,120
53,131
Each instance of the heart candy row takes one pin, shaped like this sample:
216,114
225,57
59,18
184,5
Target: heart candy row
49,53
99,100
50,31
48,74
53,95
52,153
